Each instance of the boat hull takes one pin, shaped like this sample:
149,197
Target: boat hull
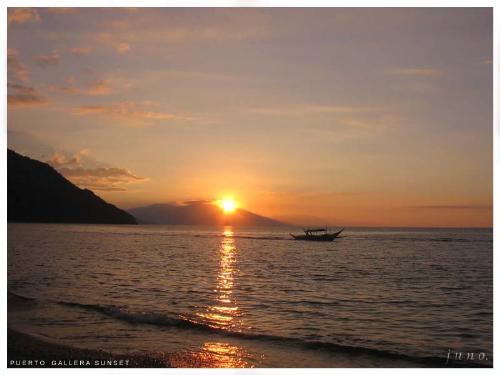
320,237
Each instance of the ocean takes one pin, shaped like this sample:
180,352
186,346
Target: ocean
253,297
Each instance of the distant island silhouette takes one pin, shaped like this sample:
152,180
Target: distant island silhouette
198,213
36,192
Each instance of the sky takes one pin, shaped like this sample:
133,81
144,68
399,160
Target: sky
341,116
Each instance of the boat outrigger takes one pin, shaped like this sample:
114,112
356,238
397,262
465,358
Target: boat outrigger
319,234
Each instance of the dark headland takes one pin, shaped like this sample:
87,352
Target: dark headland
36,192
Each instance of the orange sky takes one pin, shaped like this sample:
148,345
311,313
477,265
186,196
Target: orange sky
369,117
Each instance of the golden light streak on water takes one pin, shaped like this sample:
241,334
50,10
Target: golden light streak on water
224,312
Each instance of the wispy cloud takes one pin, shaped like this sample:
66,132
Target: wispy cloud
310,109
99,87
106,179
415,72
60,10
455,207
72,166
20,95
23,15
122,48
46,60
68,88
129,9
208,33
122,34
419,80
129,111
16,70
80,51
361,117
115,41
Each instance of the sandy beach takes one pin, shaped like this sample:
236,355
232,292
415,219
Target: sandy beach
29,351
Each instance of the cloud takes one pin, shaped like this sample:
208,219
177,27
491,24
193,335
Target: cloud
129,9
114,40
487,62
97,178
60,10
80,51
68,88
416,80
102,87
122,48
95,88
455,207
46,60
59,159
158,29
22,15
20,95
208,33
415,72
197,202
332,116
129,111
16,69
106,179
309,109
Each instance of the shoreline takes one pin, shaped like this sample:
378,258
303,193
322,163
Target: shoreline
23,347
27,351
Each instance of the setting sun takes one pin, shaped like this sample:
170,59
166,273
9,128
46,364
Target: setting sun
228,205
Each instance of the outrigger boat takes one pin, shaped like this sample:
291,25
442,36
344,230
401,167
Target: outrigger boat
319,234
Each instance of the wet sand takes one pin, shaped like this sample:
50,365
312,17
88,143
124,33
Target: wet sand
25,350
29,351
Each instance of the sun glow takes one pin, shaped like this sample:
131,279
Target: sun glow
227,205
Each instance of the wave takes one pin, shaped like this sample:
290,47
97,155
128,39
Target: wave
350,236
181,322
187,234
246,237
416,239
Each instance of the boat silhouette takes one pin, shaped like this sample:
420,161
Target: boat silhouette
316,234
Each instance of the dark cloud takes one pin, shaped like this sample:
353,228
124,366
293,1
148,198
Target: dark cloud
15,69
200,201
20,95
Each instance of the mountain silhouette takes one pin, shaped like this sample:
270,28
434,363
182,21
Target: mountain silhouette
36,192
198,213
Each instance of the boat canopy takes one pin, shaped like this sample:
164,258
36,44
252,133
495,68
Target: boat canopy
315,230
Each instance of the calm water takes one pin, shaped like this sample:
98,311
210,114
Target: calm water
233,297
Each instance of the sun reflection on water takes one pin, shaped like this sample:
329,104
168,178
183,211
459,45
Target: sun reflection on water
223,313
216,355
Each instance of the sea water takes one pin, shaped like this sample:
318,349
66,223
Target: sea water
238,297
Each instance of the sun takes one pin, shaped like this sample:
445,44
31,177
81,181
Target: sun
227,205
